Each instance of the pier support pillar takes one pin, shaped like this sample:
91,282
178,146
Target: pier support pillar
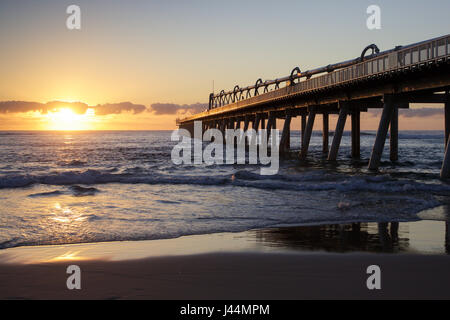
222,125
246,123
255,127
380,140
237,127
257,122
238,124
271,124
325,133
231,124
308,133
394,136
356,134
340,125
204,127
285,136
447,117
445,171
302,134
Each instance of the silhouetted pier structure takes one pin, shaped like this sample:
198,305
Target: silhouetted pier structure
389,80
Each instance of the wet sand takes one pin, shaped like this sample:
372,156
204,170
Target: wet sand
311,262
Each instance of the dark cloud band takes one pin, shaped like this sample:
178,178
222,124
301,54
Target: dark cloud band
171,108
411,113
77,107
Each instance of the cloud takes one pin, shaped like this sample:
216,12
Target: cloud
77,107
422,112
116,108
171,108
21,106
44,108
411,113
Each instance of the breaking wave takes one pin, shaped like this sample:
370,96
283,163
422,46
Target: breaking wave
313,181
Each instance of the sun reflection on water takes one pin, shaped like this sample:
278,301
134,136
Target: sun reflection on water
66,215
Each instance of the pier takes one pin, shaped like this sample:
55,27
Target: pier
388,80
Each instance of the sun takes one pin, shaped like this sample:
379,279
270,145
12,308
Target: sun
66,119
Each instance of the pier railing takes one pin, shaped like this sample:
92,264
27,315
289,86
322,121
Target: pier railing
395,60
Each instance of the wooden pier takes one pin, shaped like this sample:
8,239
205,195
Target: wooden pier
390,80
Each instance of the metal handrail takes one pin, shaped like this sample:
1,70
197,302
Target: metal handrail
388,61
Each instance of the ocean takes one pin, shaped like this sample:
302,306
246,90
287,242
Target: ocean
83,187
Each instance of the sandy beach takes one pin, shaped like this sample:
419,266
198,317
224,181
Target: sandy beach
217,266
234,276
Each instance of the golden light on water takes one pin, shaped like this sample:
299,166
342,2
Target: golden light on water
65,215
67,119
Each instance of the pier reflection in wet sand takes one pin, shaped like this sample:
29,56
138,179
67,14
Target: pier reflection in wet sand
427,237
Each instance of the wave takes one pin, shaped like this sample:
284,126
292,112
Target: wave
75,190
421,136
46,194
73,163
312,181
82,191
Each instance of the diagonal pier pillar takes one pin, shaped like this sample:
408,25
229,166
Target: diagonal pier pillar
340,125
246,122
285,136
308,132
447,117
325,133
238,128
356,133
257,122
246,125
393,137
271,123
445,171
383,127
303,128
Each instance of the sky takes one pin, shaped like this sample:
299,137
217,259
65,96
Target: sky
141,64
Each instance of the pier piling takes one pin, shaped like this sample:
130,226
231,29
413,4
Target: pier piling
380,140
257,122
447,117
445,171
343,111
271,124
308,132
394,136
325,133
356,133
303,128
285,136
